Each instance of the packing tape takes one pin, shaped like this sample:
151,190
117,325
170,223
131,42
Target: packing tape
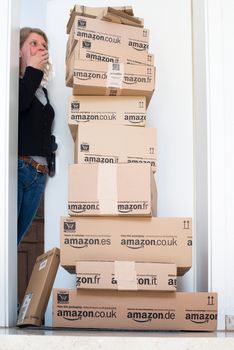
125,275
115,75
107,188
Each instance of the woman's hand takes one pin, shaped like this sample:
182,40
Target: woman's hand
39,60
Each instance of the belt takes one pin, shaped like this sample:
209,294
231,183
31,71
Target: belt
40,168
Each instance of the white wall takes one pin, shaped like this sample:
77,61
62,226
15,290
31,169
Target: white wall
170,110
33,13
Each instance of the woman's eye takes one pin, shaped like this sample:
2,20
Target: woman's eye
33,43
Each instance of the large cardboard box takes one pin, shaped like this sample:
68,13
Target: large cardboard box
103,31
112,79
113,144
125,275
111,189
39,289
88,50
162,240
135,310
93,12
122,110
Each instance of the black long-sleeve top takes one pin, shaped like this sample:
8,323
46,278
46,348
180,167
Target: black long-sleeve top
35,119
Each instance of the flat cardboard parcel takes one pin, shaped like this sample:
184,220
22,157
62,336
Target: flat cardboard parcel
39,288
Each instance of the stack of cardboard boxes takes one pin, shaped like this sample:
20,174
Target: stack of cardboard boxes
126,261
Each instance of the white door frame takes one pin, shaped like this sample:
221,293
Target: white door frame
9,28
213,30
200,129
220,76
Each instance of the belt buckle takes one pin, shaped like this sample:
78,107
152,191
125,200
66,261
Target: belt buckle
37,168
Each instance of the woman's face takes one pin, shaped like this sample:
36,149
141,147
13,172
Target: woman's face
34,43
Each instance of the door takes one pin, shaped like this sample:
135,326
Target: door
29,249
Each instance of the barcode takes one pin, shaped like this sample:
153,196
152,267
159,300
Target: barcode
24,308
115,66
22,314
43,264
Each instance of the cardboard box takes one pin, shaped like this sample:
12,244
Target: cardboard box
112,79
113,15
104,52
162,240
108,52
113,144
71,42
125,275
93,12
135,310
122,110
102,31
39,288
111,189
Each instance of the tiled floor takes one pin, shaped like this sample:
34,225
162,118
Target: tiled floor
47,339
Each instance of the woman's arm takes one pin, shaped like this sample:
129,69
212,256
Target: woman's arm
28,86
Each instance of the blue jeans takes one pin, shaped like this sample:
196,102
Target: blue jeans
31,185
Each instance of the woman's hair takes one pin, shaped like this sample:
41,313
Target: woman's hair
24,34
26,31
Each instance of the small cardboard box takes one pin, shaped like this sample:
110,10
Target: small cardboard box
125,275
113,79
108,52
135,310
162,240
122,110
39,288
111,189
114,144
117,16
102,31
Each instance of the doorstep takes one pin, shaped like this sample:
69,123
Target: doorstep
48,339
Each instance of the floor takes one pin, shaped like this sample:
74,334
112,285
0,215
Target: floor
48,339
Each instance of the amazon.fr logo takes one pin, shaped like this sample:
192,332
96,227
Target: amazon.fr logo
62,298
69,226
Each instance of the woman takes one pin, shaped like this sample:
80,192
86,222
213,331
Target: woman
35,142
